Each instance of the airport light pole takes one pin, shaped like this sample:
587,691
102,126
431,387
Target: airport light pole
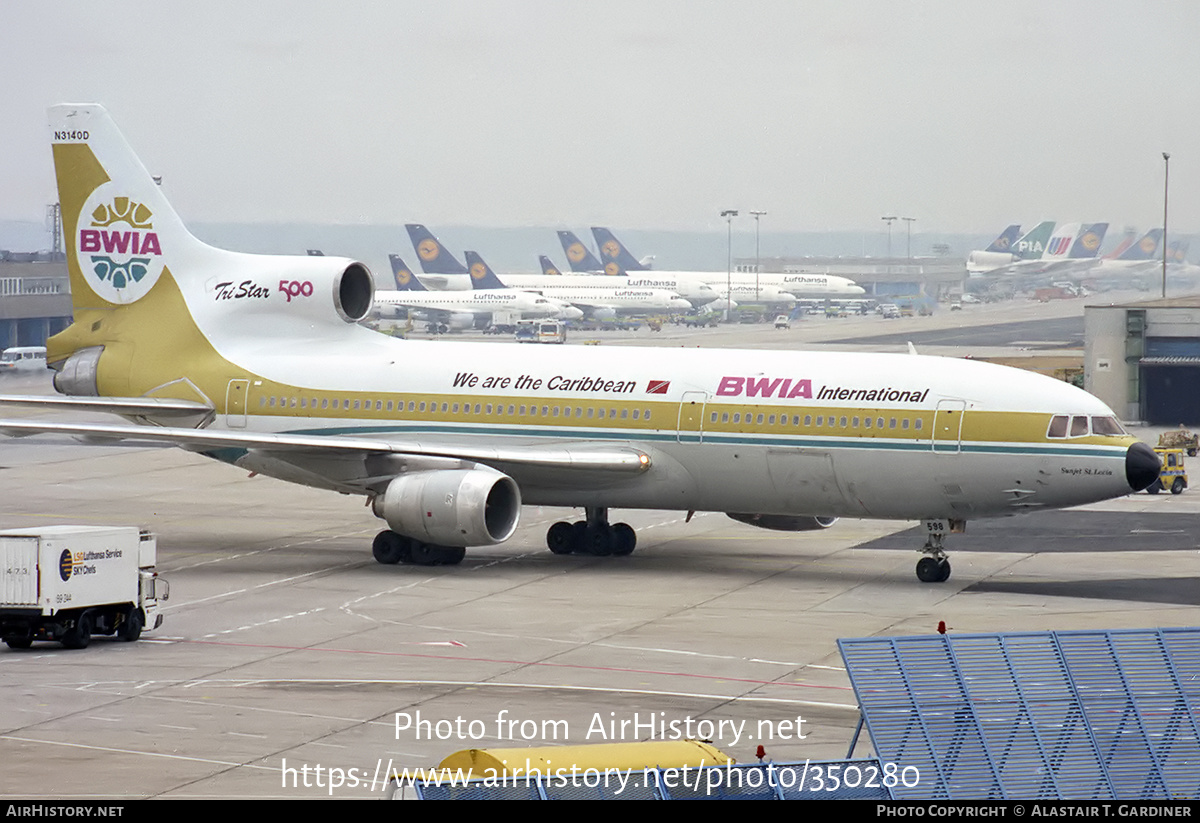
889,220
1166,189
757,266
729,214
909,221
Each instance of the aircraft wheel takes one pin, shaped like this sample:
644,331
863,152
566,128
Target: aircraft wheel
79,635
599,540
390,548
422,554
1177,486
131,629
429,554
452,555
624,539
930,570
561,538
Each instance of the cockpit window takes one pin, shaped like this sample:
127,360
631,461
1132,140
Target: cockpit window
1079,426
1058,426
1106,425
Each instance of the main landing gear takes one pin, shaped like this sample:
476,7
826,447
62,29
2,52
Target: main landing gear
390,547
592,536
934,567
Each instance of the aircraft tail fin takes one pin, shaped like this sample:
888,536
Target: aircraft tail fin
548,267
1005,241
435,258
402,274
612,251
578,256
482,276
1145,248
1032,245
146,292
1087,244
120,231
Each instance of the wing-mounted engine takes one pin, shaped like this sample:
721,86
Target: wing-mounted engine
783,522
461,507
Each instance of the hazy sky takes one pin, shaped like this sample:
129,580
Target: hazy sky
648,115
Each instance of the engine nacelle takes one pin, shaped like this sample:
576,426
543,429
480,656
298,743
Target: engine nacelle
783,522
77,375
454,507
320,289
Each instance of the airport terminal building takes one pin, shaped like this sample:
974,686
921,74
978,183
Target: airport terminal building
1143,359
35,298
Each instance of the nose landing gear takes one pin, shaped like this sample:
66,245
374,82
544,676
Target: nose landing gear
934,567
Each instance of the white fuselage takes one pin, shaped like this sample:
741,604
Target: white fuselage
481,301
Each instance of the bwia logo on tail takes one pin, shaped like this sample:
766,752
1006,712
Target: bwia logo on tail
119,248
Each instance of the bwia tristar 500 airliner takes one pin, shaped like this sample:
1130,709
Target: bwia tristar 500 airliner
259,361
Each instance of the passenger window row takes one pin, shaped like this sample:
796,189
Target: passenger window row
465,409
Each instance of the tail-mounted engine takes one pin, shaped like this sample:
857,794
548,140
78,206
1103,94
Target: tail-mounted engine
460,507
319,289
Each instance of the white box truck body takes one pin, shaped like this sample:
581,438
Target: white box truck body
67,583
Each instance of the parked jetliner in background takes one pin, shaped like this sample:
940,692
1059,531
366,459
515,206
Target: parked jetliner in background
1071,250
618,261
462,309
259,361
602,303
579,257
441,266
1031,246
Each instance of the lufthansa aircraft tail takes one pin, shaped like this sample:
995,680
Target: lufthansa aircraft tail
612,251
434,257
482,276
580,259
1004,242
402,274
548,268
1087,244
1146,248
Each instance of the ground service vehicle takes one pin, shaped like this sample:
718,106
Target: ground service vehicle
1180,438
1173,475
23,359
67,583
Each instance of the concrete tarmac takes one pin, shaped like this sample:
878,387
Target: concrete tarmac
289,660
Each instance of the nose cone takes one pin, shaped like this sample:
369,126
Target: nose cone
1142,466
571,313
857,290
679,304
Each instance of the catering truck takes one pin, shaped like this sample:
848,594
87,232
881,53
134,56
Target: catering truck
67,583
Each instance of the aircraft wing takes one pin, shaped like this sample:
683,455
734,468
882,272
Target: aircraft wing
588,457
131,406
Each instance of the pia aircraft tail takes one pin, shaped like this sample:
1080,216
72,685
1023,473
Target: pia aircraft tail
578,257
435,258
482,276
